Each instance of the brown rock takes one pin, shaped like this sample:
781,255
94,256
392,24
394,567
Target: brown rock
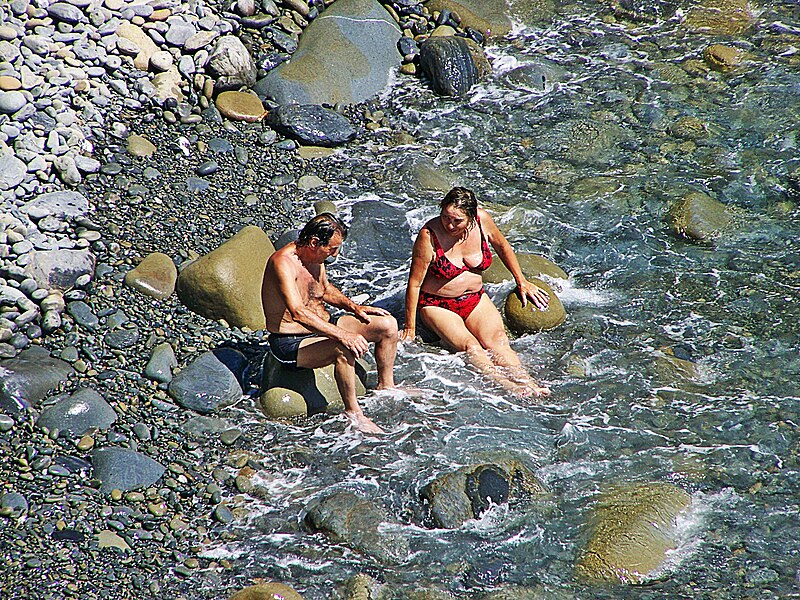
140,146
720,17
721,58
9,84
267,591
532,265
529,319
155,276
698,216
226,282
147,47
490,17
240,106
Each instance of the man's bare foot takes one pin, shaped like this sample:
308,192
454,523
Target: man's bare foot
362,422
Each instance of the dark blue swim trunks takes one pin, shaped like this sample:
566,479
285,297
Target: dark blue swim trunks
284,347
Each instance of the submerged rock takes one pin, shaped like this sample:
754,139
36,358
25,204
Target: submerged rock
266,591
632,529
345,56
528,318
359,524
226,282
699,217
719,17
312,124
453,64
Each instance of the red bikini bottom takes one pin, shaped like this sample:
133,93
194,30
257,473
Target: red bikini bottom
461,305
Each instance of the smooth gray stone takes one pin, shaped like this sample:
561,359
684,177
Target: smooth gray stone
61,11
6,423
83,315
374,231
29,377
124,470
12,171
162,361
16,502
202,426
11,102
59,269
209,384
79,413
121,338
312,124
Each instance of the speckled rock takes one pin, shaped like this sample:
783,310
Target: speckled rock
453,64
345,57
532,265
699,217
632,529
719,17
226,282
528,318
232,64
155,276
59,269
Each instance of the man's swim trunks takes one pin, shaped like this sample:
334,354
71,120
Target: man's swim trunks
461,305
284,347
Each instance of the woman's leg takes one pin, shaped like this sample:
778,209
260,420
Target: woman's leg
454,334
486,324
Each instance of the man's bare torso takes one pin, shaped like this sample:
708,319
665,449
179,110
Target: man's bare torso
309,282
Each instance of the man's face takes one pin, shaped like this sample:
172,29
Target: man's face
330,251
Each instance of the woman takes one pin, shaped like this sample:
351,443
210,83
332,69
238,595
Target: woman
445,288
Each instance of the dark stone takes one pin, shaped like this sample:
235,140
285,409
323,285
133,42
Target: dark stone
407,46
121,338
208,384
82,411
83,315
312,124
209,167
68,535
452,64
124,470
284,42
29,377
73,464
486,486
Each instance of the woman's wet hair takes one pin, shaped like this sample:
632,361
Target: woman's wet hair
463,199
322,227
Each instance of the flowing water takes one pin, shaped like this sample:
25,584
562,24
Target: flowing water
678,361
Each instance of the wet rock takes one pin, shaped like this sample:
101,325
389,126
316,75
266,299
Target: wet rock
465,494
124,470
207,384
121,338
232,64
203,427
721,57
162,361
535,76
155,276
532,265
453,64
266,591
79,413
719,17
490,17
29,377
312,124
424,174
632,529
317,387
699,217
359,524
376,230
344,58
528,318
226,282
240,106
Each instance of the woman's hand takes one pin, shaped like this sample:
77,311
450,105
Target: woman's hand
407,335
532,292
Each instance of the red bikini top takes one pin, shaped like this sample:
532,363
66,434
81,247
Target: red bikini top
442,268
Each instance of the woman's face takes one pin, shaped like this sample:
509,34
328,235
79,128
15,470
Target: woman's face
454,220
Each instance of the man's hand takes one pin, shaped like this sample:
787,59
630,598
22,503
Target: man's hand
355,342
537,295
362,312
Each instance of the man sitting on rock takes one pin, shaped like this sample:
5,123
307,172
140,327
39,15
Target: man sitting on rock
302,335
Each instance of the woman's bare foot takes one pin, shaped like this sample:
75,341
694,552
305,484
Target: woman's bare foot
362,422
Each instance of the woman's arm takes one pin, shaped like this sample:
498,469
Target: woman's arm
421,258
505,252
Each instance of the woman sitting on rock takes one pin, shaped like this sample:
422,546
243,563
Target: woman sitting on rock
445,287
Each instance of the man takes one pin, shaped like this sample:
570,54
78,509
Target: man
293,294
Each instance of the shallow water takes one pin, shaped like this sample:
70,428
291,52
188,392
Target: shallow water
725,430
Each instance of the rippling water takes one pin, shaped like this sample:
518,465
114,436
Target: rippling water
577,161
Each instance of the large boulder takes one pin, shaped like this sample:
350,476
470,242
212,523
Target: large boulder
28,378
532,265
699,217
359,524
490,17
155,276
300,392
456,497
267,591
312,124
211,382
81,412
633,527
453,64
231,63
226,282
528,318
345,56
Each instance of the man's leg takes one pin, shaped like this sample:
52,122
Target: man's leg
382,330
